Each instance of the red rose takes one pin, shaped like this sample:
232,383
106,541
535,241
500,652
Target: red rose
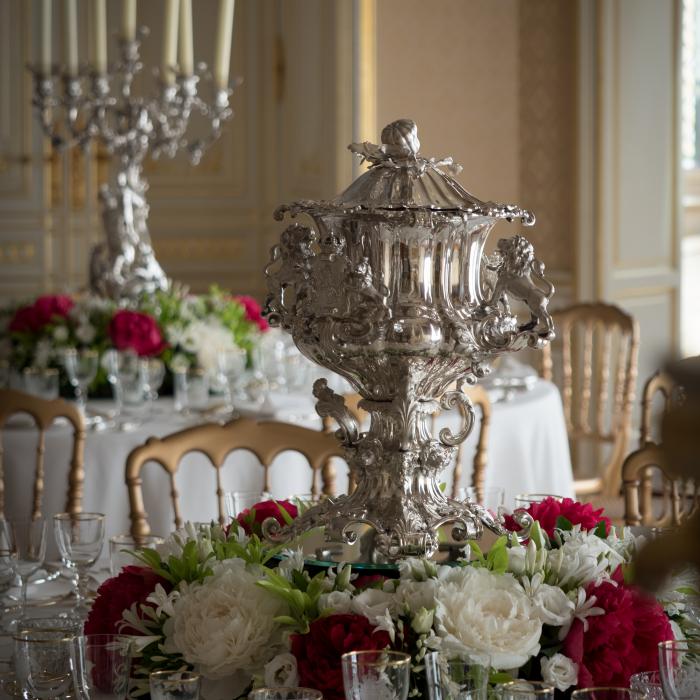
253,311
547,512
318,652
132,585
251,519
44,310
132,330
623,641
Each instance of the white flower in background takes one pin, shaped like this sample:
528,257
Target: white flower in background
414,595
386,623
478,612
293,561
206,339
559,671
202,534
85,333
42,353
373,603
179,362
422,621
281,672
60,334
225,624
163,601
627,544
526,560
553,605
338,602
583,608
417,569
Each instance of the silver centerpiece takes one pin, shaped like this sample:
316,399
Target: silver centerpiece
391,289
102,107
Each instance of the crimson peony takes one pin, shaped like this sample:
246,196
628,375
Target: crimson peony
252,522
253,312
547,512
132,585
47,308
132,330
621,642
319,651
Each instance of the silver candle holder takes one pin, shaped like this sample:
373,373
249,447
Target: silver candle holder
76,110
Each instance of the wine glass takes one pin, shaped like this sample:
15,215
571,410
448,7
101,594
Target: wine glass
231,366
679,667
463,678
104,662
45,663
376,675
525,690
79,538
608,694
648,682
285,694
81,368
174,685
23,546
492,498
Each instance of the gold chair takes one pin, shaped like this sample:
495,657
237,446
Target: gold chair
617,336
679,499
44,412
265,439
479,398
658,383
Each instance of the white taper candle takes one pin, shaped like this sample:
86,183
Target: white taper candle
45,38
172,17
100,36
224,35
129,20
70,36
186,50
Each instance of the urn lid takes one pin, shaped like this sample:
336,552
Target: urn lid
399,179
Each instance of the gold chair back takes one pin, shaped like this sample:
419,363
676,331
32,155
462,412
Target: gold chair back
44,413
599,345
265,439
659,383
680,498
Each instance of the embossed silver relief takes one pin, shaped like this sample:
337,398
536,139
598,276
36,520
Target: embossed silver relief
391,289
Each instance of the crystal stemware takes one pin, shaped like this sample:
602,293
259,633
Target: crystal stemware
648,683
23,546
463,678
492,498
376,675
79,538
45,664
679,667
41,382
285,694
525,690
155,374
175,685
237,502
104,662
81,368
121,548
231,367
607,694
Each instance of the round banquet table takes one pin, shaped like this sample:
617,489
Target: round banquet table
528,452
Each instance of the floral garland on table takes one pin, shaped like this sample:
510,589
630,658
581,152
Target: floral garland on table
561,607
180,328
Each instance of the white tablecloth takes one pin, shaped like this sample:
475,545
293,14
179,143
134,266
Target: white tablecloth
527,452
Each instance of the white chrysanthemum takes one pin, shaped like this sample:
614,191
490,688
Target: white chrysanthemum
478,612
225,624
206,339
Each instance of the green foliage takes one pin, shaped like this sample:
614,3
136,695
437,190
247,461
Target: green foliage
497,558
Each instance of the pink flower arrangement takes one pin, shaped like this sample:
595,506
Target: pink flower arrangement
253,311
548,511
46,309
133,330
251,519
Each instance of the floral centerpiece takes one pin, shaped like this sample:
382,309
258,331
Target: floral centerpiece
563,607
180,328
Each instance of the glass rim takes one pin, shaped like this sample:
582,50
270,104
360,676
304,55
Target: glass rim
52,371
21,635
538,687
286,688
168,676
79,516
540,496
679,644
123,537
597,688
400,657
474,659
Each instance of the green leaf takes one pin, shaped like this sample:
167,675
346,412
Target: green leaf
601,530
288,519
497,559
286,620
563,523
476,552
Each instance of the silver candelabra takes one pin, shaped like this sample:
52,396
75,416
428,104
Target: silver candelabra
392,290
75,110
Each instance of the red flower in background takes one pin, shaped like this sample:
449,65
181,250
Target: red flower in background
253,311
319,651
133,330
547,512
47,308
251,519
132,585
620,643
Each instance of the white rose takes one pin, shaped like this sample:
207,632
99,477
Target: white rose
373,603
414,595
559,671
337,601
225,624
60,334
281,672
479,612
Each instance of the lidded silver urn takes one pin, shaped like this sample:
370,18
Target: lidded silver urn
391,289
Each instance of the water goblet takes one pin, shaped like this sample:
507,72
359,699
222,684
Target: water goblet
237,502
679,667
525,500
23,547
81,368
607,694
45,664
525,690
79,538
492,498
104,663
155,374
175,685
649,683
121,547
462,678
191,389
231,366
285,694
376,675
41,382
